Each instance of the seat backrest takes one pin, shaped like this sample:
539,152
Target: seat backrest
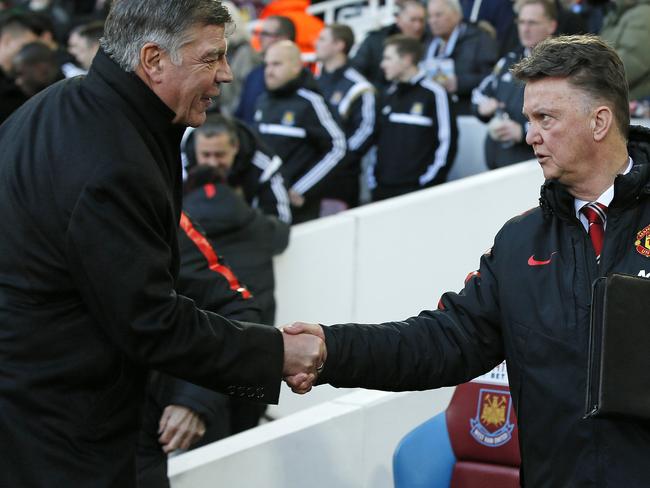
483,434
472,444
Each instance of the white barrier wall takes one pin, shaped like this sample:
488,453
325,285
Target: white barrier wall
385,261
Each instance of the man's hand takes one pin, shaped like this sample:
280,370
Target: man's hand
488,106
179,428
508,131
296,199
304,354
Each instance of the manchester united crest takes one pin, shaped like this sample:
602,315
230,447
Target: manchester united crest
492,426
642,242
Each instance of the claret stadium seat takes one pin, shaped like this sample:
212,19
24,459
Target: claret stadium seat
473,444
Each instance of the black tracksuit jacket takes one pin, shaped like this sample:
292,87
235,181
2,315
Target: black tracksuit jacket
91,191
416,136
353,100
537,318
298,125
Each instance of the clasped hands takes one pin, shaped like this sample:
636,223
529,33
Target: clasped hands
304,355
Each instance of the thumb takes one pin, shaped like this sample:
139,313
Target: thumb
295,328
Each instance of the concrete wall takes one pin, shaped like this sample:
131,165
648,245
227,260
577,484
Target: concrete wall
384,261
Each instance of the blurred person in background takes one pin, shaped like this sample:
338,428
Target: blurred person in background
353,98
275,28
499,98
410,21
14,34
460,54
35,67
241,160
416,131
627,29
83,43
499,14
294,120
242,59
179,415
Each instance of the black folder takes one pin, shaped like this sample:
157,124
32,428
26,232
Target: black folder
618,379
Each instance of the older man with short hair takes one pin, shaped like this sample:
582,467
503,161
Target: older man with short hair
460,54
530,301
91,204
498,99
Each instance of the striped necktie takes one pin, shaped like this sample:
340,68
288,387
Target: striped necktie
596,214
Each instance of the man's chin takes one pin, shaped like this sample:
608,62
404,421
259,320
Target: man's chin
197,119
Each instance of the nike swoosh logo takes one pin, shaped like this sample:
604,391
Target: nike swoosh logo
534,262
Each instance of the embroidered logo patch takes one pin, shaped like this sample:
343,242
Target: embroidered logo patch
417,108
288,118
336,98
642,242
491,426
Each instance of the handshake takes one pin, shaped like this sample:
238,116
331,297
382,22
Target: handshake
304,355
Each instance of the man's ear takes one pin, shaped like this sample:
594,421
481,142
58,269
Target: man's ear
602,122
152,61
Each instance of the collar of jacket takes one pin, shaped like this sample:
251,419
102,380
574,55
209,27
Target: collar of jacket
337,74
406,85
304,79
555,199
247,146
107,80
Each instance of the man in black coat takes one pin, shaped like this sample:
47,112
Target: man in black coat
91,188
460,54
530,301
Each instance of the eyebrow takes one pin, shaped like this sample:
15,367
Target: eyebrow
214,53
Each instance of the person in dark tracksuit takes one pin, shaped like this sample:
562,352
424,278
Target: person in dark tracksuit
294,121
530,300
91,202
417,134
178,414
244,162
352,97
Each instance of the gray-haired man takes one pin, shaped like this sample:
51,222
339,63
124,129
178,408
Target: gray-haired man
91,181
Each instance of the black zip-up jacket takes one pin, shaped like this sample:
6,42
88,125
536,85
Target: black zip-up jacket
245,237
353,100
91,190
417,134
529,303
503,86
298,125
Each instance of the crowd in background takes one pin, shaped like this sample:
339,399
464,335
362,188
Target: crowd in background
363,120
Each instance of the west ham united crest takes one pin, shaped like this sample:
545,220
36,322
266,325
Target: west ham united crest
492,426
642,242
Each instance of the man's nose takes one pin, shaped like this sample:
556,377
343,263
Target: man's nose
223,75
532,135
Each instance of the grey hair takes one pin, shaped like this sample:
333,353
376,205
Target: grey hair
133,23
455,6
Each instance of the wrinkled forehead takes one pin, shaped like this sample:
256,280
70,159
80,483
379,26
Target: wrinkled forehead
552,93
